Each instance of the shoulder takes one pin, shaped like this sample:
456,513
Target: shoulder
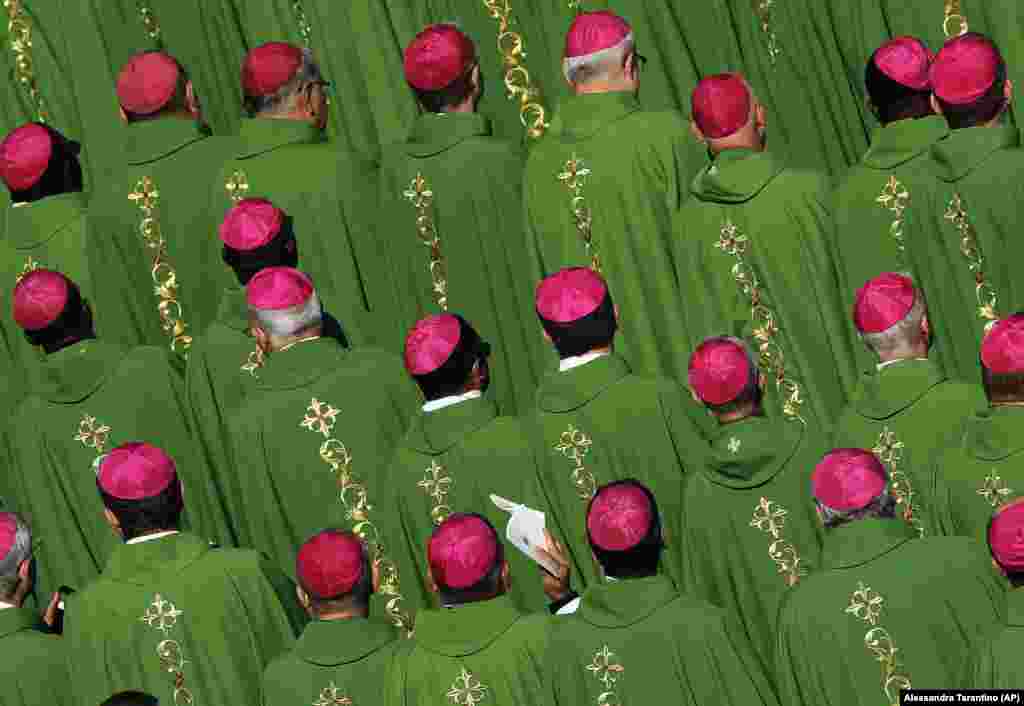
147,356
804,182
670,121
957,392
378,359
231,561
951,555
282,670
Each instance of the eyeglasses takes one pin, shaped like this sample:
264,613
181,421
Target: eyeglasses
324,86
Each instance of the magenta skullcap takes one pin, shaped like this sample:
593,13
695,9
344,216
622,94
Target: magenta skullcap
619,518
8,533
330,563
848,479
883,302
721,105
570,294
431,342
719,371
136,471
268,67
965,69
1002,349
1006,536
592,32
462,551
277,288
437,56
251,224
905,60
147,82
39,298
24,156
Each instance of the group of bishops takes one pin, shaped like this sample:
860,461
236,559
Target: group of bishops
412,433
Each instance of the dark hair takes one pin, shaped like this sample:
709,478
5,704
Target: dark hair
635,562
282,251
486,587
450,378
131,698
451,95
585,334
892,100
73,324
63,173
138,517
1016,578
985,108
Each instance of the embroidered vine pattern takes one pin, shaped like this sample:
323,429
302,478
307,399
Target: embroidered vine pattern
332,696
163,616
866,605
954,23
437,487
971,250
733,242
19,31
765,10
895,198
889,450
518,85
30,266
994,490
770,518
421,197
149,22
302,22
467,690
606,670
574,179
237,185
575,445
92,434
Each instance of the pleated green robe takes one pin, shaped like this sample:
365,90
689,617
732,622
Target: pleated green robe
36,669
997,665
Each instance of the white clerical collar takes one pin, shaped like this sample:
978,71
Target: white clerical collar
578,360
150,537
5,606
887,363
443,402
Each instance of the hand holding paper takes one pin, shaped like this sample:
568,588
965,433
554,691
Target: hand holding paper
525,531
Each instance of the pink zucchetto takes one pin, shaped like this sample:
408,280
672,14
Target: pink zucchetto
1002,349
437,56
147,82
24,156
592,32
462,551
136,471
720,105
277,288
719,370
430,343
965,69
39,298
883,302
8,533
905,60
1006,536
330,564
848,479
251,224
268,67
570,294
620,516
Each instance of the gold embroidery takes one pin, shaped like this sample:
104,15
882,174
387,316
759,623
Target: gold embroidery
734,446
320,417
467,690
19,29
437,487
574,178
162,615
889,450
331,696
994,490
149,21
607,671
421,197
764,9
575,445
237,185
866,605
305,29
954,23
253,363
971,250
576,5
770,518
733,242
532,113
895,198
91,434
30,266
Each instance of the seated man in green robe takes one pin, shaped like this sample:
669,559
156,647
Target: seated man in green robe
342,656
750,499
905,410
34,670
754,256
479,647
171,614
921,607
89,395
983,468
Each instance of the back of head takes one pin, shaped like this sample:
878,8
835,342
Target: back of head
37,161
897,81
439,65
153,85
889,312
1005,538
131,698
15,549
723,107
1002,361
274,76
283,302
49,308
256,235
596,47
968,78
139,485
441,352
624,529
849,485
724,376
576,310
333,569
466,559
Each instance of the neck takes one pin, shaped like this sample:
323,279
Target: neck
351,614
738,415
149,533
918,351
1007,403
467,106
294,117
51,348
285,342
603,86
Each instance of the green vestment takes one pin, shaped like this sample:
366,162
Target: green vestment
334,660
758,230
751,502
475,182
642,641
997,663
920,606
174,615
906,413
632,169
34,671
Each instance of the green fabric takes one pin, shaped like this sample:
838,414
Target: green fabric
664,642
640,165
479,453
232,618
352,659
756,468
783,214
475,180
997,664
913,401
939,602
36,670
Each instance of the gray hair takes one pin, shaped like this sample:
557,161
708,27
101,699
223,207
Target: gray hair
288,322
583,69
902,334
283,100
19,552
883,506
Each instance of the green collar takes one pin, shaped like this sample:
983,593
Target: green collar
330,643
966,149
300,365
750,452
32,225
1014,607
435,432
149,562
901,141
995,433
883,393
234,311
858,542
565,391
580,117
736,176
73,373
465,629
152,140
626,602
14,620
261,135
433,133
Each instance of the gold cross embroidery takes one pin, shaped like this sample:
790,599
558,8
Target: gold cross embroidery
954,24
237,185
734,446
764,8
994,490
574,179
332,696
253,363
518,86
91,434
970,248
421,197
148,20
575,445
605,669
437,487
161,614
895,198
19,30
865,604
320,417
467,690
769,519
30,266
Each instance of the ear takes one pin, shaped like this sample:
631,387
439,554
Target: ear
191,99
262,338
762,380
25,569
1008,90
474,77
124,115
547,336
615,313
375,576
695,397
629,64
695,131
431,583
303,597
112,520
506,575
926,327
997,567
760,117
936,106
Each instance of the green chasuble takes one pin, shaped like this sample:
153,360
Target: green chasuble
640,641
183,621
751,502
754,257
91,397
997,663
598,423
920,606
452,460
486,652
165,175
631,169
335,660
906,413
34,670
485,273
